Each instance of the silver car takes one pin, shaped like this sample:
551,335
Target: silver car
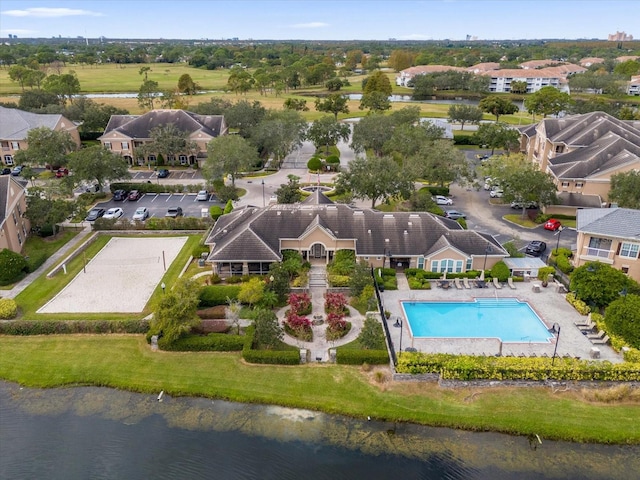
141,214
202,196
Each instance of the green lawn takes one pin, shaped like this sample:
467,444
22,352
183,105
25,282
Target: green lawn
43,289
126,362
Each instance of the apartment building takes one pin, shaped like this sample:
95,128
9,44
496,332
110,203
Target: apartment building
14,226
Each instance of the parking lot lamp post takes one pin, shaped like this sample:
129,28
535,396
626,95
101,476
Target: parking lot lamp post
398,324
560,228
555,329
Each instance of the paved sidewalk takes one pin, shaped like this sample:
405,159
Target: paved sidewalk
26,281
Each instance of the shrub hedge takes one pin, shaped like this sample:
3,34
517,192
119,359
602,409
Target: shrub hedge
346,356
8,308
214,342
579,305
213,295
274,357
513,368
67,327
154,187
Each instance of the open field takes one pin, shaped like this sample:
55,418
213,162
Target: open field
51,361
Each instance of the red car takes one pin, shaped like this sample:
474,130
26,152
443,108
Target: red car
62,172
552,224
134,195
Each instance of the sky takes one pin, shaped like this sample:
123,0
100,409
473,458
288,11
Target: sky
320,20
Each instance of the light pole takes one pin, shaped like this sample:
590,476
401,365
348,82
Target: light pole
398,324
555,329
487,251
560,228
387,253
263,192
163,286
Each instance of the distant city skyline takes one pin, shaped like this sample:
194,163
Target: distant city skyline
320,20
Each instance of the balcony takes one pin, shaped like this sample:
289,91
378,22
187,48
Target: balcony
597,255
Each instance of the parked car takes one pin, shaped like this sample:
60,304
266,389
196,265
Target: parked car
174,212
115,212
163,173
134,195
62,172
92,188
454,214
94,214
496,193
520,205
17,170
488,185
119,195
6,171
141,213
442,200
202,196
535,248
552,224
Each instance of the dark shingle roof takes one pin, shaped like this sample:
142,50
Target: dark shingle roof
611,222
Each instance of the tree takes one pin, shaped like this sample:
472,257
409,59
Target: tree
169,141
547,101
65,86
228,154
251,292
371,337
296,104
187,85
622,318
43,212
598,284
279,133
98,164
46,147
377,82
372,132
400,59
240,81
175,313
12,265
268,333
144,71
375,102
244,116
359,278
408,139
439,162
19,74
497,135
289,192
465,114
521,180
36,99
519,86
334,103
334,84
496,105
625,189
374,178
327,131
147,94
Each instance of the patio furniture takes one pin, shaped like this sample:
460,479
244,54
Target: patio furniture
600,341
456,282
496,283
465,282
587,326
596,336
481,284
594,352
510,283
536,288
444,284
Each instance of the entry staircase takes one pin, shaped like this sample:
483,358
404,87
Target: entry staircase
318,276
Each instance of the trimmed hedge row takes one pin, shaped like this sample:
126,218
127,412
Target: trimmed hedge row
149,187
273,357
425,274
20,327
346,356
455,367
214,342
213,295
581,307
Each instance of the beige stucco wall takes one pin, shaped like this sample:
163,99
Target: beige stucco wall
616,261
12,233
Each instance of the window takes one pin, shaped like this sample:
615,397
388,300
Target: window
107,145
125,145
152,158
629,250
579,184
421,263
8,159
559,148
15,145
469,265
15,219
565,184
183,159
447,265
19,238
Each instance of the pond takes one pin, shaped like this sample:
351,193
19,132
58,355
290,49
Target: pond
101,433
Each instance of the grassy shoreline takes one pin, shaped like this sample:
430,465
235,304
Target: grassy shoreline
126,362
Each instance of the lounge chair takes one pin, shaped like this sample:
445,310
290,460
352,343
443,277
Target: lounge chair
600,341
456,282
465,282
496,283
596,336
587,326
583,321
510,283
444,284
481,284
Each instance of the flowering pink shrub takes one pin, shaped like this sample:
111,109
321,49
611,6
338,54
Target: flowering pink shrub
336,321
335,302
297,322
300,303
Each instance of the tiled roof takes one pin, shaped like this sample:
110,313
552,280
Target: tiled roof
140,126
5,182
610,222
15,124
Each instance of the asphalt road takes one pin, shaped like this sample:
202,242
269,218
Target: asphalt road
158,204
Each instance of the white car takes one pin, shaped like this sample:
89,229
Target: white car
442,200
141,214
113,213
202,196
496,193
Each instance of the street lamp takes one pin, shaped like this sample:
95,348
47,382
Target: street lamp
560,228
398,324
263,192
487,251
555,329
163,286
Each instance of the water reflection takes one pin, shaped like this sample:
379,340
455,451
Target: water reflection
102,433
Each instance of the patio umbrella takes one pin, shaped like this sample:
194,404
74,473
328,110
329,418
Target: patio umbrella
445,275
482,275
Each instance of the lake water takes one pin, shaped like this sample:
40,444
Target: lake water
100,433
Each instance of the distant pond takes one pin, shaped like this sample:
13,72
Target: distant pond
101,433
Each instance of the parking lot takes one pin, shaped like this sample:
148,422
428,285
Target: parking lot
189,174
159,203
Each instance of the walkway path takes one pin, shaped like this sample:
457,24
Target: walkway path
53,259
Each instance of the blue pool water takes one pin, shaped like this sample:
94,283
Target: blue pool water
507,319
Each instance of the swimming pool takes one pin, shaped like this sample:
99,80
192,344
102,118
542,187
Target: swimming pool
506,318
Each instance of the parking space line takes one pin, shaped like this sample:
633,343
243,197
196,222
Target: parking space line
183,197
155,198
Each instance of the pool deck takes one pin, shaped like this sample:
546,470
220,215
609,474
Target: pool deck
550,306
